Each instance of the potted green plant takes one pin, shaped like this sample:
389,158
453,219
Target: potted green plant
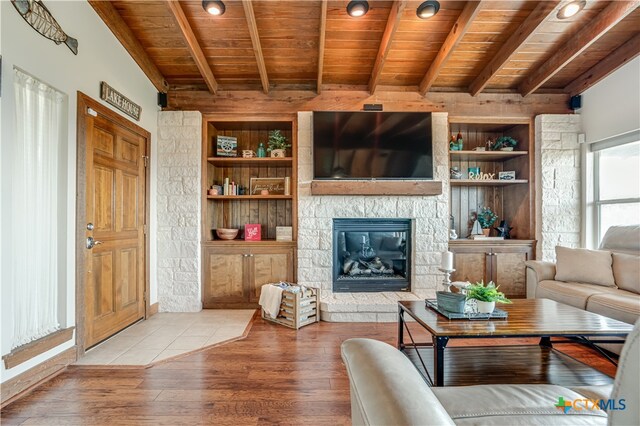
277,144
504,143
486,296
486,218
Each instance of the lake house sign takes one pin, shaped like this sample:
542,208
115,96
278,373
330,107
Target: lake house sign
118,100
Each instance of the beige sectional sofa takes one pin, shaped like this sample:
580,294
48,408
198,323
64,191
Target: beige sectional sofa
386,389
604,281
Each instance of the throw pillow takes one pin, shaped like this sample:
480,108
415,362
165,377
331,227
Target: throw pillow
584,266
626,271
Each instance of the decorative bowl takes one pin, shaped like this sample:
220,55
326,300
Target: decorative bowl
227,233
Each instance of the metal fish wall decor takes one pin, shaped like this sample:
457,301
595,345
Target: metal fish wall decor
38,16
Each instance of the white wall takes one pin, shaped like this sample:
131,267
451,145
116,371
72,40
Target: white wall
100,58
612,106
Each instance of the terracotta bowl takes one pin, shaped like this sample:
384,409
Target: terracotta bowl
227,233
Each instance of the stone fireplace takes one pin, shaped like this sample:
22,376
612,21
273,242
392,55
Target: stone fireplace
429,234
371,255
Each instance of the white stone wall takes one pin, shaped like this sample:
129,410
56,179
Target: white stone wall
179,174
315,221
558,190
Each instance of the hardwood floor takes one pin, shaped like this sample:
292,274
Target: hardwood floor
274,376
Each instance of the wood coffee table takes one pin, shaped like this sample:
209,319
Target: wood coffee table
524,363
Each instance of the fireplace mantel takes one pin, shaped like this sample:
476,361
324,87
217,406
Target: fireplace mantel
376,187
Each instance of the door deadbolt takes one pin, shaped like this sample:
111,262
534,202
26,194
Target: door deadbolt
90,226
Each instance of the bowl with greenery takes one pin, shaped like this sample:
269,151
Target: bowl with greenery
486,296
277,144
504,143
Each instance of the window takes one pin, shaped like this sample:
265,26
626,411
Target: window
616,171
35,246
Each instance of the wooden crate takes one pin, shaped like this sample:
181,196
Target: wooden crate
297,309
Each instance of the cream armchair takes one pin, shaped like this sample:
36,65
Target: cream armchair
386,389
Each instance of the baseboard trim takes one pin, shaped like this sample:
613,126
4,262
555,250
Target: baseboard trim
153,309
24,383
25,352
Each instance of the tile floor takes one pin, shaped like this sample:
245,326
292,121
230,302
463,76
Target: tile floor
166,335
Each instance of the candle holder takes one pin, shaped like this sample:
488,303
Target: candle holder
447,278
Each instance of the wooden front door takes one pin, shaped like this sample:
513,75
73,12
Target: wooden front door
115,219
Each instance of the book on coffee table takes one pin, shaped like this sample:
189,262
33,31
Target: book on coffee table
468,314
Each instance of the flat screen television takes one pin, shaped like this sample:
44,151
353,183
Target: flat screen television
372,145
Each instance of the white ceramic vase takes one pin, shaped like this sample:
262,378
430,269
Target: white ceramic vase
486,307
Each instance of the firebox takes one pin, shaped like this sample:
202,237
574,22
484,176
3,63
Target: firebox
371,255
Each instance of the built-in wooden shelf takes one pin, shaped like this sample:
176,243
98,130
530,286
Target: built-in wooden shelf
486,182
249,197
485,155
241,242
376,187
250,162
512,241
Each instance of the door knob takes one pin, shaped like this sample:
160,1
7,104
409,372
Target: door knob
91,243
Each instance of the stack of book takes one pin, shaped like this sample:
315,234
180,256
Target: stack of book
229,188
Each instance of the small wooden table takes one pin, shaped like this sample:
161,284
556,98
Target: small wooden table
541,318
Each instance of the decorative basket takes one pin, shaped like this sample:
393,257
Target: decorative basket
297,309
452,302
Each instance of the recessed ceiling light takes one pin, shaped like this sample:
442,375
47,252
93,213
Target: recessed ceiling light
357,8
214,7
427,9
570,9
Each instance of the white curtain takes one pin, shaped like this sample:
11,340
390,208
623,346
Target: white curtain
35,208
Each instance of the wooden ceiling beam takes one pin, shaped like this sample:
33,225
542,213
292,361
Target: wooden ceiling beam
615,12
458,31
192,43
385,43
522,34
130,42
255,41
612,62
323,32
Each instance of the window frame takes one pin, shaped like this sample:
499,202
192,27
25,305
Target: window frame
595,149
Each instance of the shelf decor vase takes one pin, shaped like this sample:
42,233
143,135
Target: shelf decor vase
486,231
485,307
261,152
278,153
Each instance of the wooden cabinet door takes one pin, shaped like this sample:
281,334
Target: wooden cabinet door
508,269
269,265
225,272
471,264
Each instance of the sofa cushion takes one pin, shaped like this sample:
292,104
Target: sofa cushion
626,271
573,294
594,391
514,405
622,305
584,266
380,377
622,239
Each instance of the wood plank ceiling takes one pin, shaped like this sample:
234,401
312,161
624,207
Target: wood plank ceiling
471,47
